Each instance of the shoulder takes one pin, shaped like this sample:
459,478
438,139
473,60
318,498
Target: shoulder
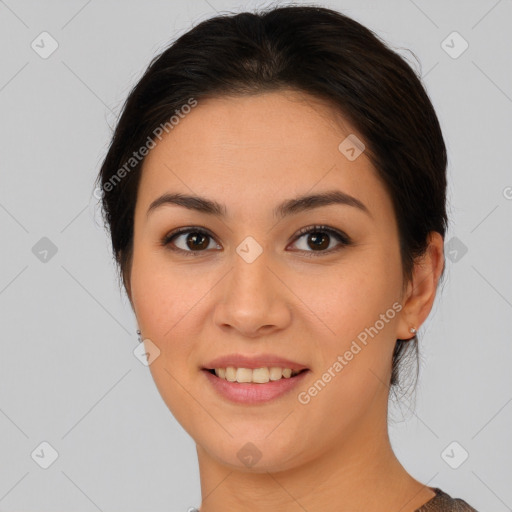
442,502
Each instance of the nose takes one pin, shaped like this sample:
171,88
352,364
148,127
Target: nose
252,298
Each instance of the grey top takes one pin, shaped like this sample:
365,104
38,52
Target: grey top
441,502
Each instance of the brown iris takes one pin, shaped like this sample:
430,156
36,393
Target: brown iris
197,240
320,240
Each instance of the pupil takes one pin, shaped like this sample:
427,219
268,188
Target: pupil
322,238
193,238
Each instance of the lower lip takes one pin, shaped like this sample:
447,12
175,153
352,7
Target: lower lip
251,393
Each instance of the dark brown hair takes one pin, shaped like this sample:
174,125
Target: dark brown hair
313,50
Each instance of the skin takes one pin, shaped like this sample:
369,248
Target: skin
250,154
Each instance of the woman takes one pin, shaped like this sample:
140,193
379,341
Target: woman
275,192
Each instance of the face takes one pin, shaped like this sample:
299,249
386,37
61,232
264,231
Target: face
246,281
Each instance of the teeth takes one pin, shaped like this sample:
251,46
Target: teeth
258,375
287,373
230,374
276,373
243,375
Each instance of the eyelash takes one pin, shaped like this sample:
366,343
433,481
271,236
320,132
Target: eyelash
338,235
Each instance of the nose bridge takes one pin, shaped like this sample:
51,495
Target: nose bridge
252,296
250,273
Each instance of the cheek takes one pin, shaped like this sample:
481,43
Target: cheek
357,305
351,295
354,352
165,303
164,294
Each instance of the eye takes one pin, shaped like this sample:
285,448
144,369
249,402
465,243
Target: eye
197,240
320,239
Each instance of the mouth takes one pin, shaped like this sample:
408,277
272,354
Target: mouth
253,379
252,387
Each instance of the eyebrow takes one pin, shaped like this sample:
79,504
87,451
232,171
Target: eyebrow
288,207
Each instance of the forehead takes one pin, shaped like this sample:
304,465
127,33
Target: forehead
278,121
259,148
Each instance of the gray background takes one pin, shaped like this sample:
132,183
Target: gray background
68,375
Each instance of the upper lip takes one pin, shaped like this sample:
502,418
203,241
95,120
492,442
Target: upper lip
252,362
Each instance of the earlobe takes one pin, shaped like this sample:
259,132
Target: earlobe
421,290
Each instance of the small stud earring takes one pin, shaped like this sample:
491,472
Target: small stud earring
412,330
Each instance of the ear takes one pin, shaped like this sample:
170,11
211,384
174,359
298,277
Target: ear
421,290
